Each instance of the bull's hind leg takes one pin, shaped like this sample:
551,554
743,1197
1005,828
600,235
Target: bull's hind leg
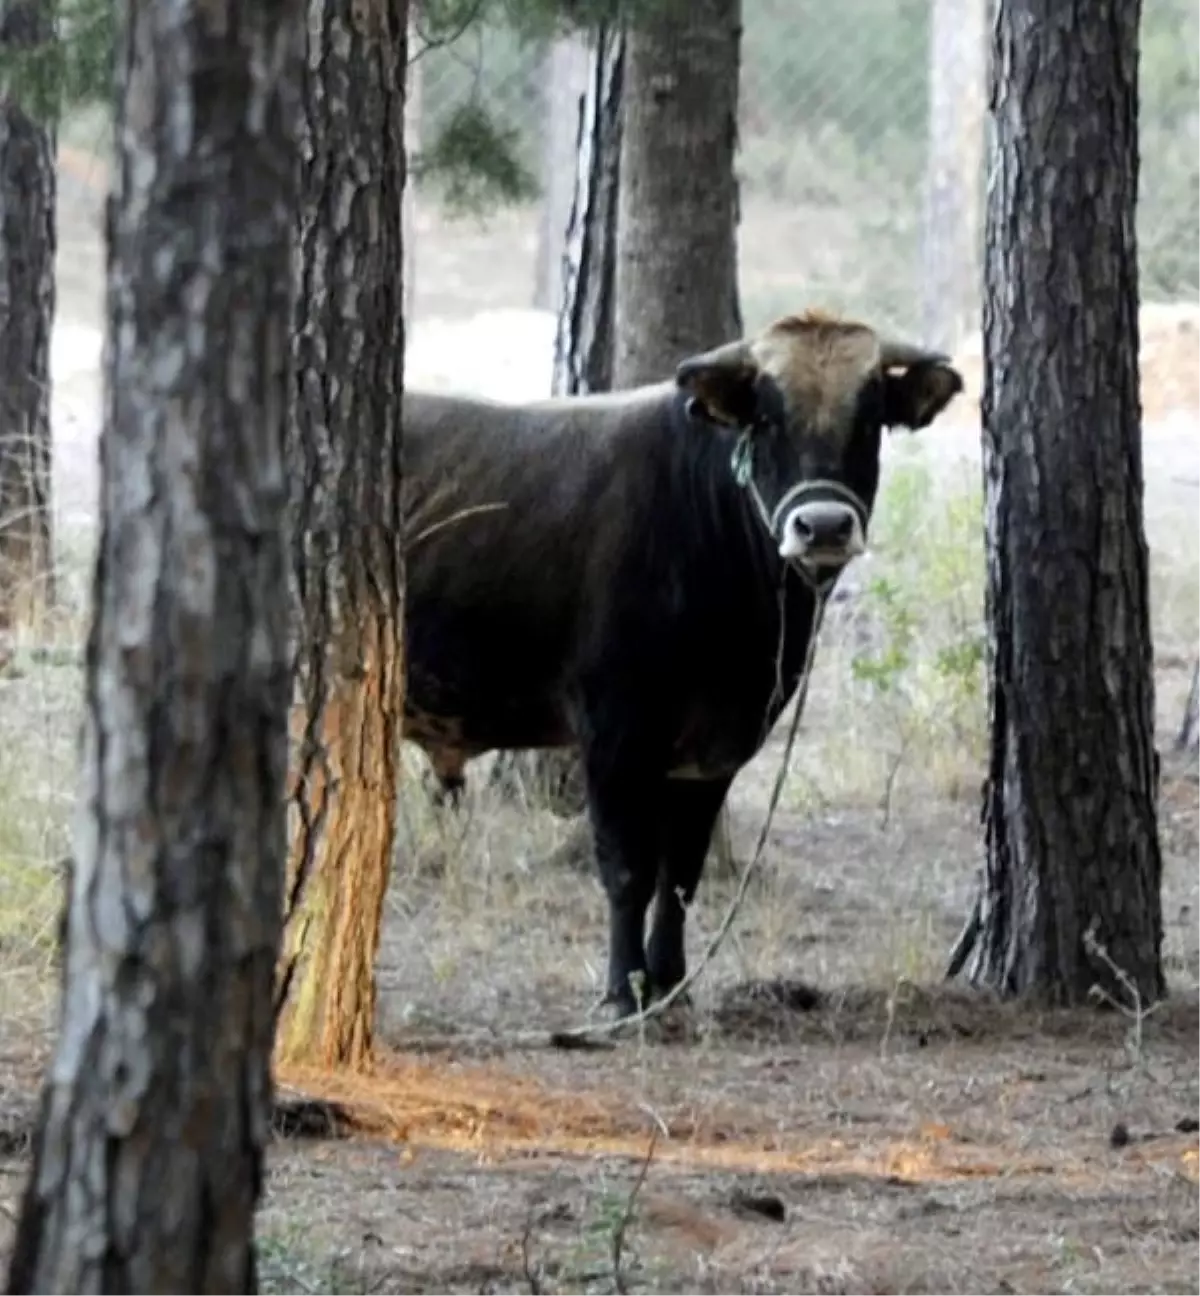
622,807
688,816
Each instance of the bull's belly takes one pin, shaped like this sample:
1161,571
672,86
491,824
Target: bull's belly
707,766
457,728
478,680
716,743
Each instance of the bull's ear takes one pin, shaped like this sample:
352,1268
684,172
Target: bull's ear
914,398
723,384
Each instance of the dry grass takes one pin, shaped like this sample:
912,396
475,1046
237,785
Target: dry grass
917,1138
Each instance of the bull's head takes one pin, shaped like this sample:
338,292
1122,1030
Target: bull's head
811,396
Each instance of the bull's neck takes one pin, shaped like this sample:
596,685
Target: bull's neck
727,524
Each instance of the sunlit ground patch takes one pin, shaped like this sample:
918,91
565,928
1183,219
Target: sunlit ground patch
488,1111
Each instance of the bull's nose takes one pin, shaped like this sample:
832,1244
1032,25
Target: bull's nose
833,529
825,528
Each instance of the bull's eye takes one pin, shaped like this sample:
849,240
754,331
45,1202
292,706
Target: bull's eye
695,409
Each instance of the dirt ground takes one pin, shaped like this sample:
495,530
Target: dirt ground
897,1136
827,1117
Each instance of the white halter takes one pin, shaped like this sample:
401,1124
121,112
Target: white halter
742,463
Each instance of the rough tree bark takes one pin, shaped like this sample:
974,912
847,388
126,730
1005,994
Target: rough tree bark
583,350
952,240
675,275
676,267
149,1158
27,242
1072,879
345,454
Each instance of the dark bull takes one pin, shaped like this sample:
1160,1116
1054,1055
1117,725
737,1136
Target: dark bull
637,573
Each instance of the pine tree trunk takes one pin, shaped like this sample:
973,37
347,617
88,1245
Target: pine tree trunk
953,241
676,268
583,349
27,243
565,69
149,1159
676,287
1073,872
346,428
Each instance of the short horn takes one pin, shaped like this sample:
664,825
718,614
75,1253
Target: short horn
903,355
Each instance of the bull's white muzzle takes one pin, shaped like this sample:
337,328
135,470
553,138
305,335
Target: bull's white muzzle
819,525
823,533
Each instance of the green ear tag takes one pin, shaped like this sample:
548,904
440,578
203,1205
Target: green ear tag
742,460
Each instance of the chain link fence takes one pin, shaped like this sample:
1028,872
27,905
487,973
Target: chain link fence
834,160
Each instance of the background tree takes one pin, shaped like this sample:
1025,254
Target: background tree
583,351
567,65
952,233
345,455
27,229
583,341
148,1161
1073,864
676,266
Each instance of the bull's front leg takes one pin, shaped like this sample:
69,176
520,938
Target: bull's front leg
688,815
622,807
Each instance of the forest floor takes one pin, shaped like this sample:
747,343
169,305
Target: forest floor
898,1136
885,1133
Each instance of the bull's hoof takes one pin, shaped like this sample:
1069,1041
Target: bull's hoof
660,991
674,1023
619,1005
678,1023
680,1010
